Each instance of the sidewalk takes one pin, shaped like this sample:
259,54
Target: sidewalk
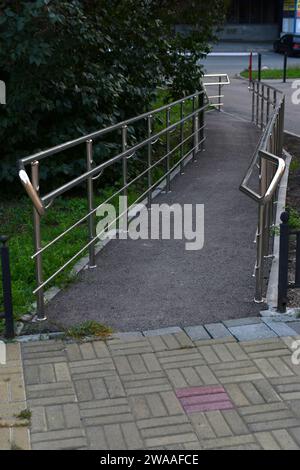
14,433
236,101
163,392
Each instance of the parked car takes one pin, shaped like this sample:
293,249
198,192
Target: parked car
289,43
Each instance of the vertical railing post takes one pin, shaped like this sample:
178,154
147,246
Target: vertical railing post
252,88
283,263
90,195
282,117
37,246
149,122
268,104
181,137
257,102
285,67
195,130
259,268
274,99
201,122
259,67
168,149
196,135
297,270
124,217
7,293
220,93
262,106
250,67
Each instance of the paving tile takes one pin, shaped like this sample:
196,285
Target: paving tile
243,321
197,333
295,326
251,332
162,331
280,328
159,392
217,330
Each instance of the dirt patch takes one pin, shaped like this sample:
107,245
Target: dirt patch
292,145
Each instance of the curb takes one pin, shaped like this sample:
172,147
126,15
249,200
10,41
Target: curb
243,329
272,290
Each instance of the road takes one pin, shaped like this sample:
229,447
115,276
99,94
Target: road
235,64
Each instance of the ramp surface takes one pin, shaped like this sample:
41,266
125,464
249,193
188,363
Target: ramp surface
141,285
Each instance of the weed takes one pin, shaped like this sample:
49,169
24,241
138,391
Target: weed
294,166
89,328
294,219
25,415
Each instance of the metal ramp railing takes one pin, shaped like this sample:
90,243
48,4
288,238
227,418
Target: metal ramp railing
160,126
268,108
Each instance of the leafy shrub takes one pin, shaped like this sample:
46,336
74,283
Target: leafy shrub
72,67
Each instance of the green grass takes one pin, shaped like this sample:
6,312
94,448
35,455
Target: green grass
294,219
24,415
89,328
270,74
16,220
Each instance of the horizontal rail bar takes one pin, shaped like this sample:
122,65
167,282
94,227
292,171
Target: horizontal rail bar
80,179
97,134
83,219
82,250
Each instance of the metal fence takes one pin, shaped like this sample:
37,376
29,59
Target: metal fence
264,174
178,128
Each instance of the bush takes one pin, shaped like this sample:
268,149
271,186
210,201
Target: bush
75,66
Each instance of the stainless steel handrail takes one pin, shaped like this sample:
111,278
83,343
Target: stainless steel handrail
221,80
268,114
192,139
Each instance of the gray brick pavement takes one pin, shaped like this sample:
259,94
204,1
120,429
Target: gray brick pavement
121,394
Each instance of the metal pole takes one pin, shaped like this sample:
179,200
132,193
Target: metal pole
262,106
274,99
37,245
297,276
268,104
259,268
181,137
196,136
195,131
201,123
168,149
257,102
124,218
283,263
90,194
285,59
149,162
282,119
252,88
220,93
250,67
259,67
7,294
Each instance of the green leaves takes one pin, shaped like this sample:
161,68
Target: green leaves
75,66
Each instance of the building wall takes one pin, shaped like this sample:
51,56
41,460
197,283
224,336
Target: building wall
249,32
253,20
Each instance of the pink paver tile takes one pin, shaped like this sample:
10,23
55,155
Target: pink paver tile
219,397
189,392
197,399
